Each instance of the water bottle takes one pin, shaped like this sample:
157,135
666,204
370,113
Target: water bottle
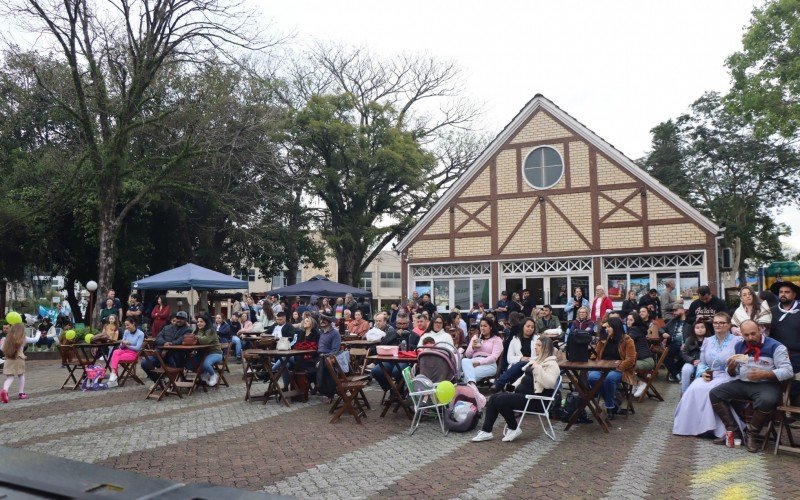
403,345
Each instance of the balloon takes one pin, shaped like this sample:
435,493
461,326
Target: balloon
445,391
13,318
88,338
69,335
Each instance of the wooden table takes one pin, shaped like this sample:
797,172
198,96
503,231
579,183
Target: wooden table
268,357
396,390
576,371
182,381
86,349
360,343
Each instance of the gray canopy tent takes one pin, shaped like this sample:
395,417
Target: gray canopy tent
322,286
190,277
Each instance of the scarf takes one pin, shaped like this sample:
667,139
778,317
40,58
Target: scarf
756,349
792,310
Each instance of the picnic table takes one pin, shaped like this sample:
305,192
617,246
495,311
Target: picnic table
576,371
261,368
397,390
178,377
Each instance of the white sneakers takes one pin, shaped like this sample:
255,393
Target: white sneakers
204,377
639,389
213,379
112,377
482,436
512,434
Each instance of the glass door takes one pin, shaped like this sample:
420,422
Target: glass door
441,295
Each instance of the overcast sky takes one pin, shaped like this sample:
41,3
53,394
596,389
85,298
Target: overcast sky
620,67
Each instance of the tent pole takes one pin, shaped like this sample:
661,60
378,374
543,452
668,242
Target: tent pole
191,302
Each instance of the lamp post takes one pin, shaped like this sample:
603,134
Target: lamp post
92,287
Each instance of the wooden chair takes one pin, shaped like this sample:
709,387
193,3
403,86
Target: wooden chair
221,367
649,376
129,371
627,398
253,366
782,412
358,360
75,361
349,392
167,380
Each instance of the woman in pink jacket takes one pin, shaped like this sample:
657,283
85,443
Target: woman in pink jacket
483,351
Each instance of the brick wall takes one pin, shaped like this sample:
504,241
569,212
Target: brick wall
676,234
507,171
540,127
579,164
626,237
427,249
479,186
658,209
466,247
608,173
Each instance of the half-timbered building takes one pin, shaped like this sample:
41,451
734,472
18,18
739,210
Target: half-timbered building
550,206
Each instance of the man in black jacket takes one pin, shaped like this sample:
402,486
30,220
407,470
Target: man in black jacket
673,333
706,306
401,334
171,334
786,326
427,305
281,328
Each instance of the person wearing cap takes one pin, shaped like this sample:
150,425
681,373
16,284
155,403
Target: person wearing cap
171,334
706,305
674,333
329,342
502,306
785,326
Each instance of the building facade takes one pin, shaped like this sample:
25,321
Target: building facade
550,206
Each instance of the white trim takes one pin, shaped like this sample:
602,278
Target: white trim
539,101
567,257
537,148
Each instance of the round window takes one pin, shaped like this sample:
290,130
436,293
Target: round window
543,167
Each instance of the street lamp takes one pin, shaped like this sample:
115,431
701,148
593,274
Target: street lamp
92,287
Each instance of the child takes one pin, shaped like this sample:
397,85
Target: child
13,349
428,341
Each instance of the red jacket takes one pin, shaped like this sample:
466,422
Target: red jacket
605,305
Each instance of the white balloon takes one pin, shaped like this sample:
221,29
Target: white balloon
91,286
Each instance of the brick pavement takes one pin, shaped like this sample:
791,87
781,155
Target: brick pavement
216,437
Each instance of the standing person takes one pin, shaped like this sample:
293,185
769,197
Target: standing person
600,305
668,300
135,308
674,334
528,303
412,304
65,310
694,414
574,303
502,307
540,377
651,302
706,305
786,326
14,355
690,351
427,306
515,304
751,307
160,316
630,304
117,303
338,310
109,309
128,349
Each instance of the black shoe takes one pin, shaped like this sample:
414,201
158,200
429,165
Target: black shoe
509,387
238,361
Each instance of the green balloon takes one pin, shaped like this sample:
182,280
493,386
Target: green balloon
88,338
13,318
445,392
69,335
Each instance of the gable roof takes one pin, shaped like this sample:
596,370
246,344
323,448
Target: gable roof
541,102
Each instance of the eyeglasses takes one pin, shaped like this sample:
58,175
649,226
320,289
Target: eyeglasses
438,323
720,323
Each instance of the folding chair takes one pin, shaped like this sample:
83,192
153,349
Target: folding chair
358,360
129,371
627,397
221,367
649,376
167,381
546,402
253,366
423,401
348,391
783,412
75,361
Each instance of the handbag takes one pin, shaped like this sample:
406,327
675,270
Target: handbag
283,344
258,327
190,339
100,338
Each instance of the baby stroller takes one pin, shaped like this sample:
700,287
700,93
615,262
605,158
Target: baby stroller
439,362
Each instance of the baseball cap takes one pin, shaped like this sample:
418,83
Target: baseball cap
182,315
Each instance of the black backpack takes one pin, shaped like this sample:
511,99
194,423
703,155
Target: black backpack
574,401
578,346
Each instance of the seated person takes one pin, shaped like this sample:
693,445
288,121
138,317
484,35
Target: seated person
690,351
347,318
359,326
540,377
171,334
581,323
637,330
48,334
281,328
674,333
483,351
547,324
128,350
519,354
438,334
758,367
226,336
401,334
329,342
614,343
207,335
694,415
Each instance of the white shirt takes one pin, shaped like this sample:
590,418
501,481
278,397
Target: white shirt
276,332
441,336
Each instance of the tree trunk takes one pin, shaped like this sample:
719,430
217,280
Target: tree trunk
3,286
292,266
105,260
349,267
72,300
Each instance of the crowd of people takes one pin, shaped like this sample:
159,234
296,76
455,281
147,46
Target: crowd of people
718,356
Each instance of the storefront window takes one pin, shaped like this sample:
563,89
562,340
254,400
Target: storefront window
688,285
617,286
640,283
480,291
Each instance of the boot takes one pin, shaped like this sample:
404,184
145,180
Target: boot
724,412
753,429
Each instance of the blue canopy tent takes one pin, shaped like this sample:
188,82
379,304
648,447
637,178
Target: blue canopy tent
322,286
190,277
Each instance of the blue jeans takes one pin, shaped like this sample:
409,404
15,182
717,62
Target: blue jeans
511,374
395,369
208,363
475,373
609,389
237,346
289,365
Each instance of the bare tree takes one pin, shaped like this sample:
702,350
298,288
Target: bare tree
116,51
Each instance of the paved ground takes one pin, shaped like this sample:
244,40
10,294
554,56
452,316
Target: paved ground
218,438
